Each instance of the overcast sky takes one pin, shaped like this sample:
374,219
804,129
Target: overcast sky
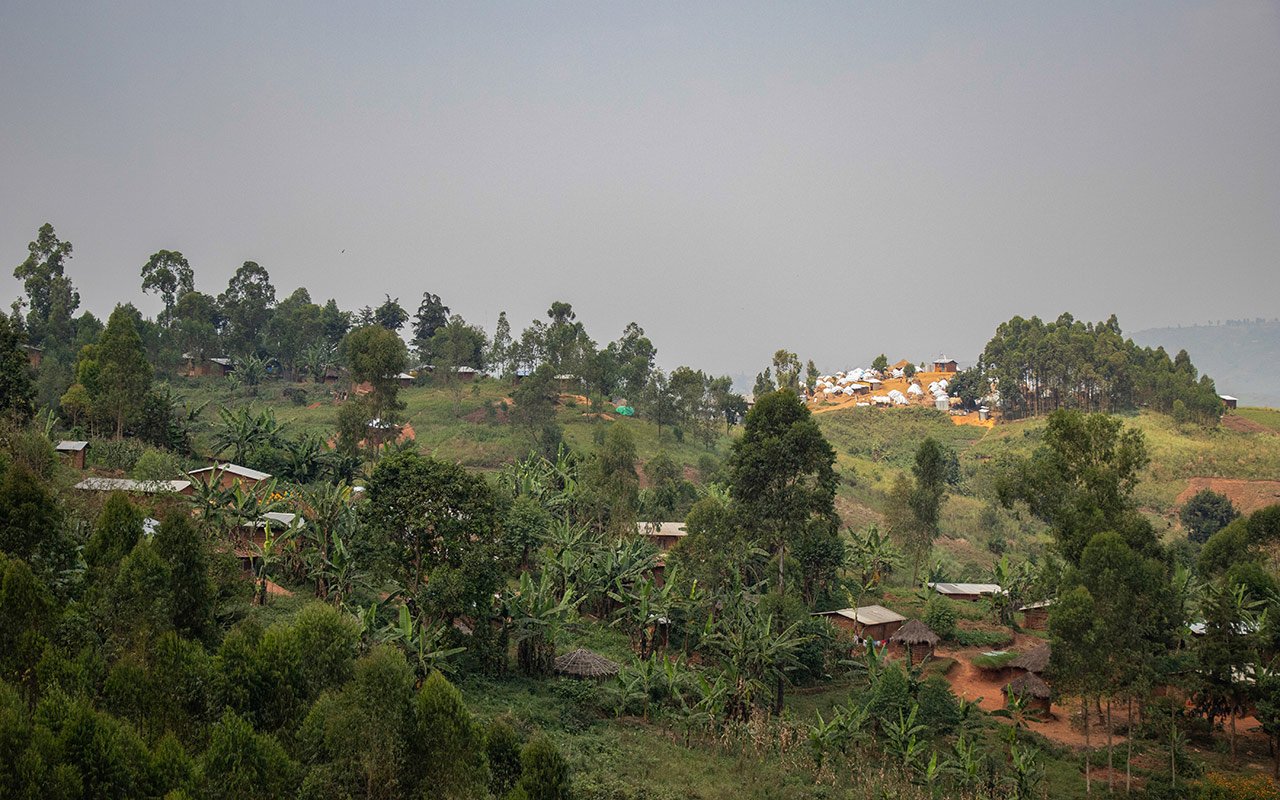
835,178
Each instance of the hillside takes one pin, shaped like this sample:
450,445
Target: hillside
874,445
1239,356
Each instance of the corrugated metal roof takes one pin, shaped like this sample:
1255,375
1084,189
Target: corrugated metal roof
662,529
965,588
234,469
68,446
866,615
130,485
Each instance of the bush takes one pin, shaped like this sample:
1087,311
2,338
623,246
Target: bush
113,454
939,616
296,395
983,638
939,711
157,465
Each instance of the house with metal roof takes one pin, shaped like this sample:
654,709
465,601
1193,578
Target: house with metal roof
73,452
966,591
229,474
876,623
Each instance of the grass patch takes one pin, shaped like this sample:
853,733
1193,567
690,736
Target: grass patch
968,638
983,661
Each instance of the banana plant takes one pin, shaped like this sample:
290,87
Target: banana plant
423,644
903,738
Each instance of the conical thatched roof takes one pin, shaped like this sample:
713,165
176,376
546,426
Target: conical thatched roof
1028,684
915,632
1034,660
585,664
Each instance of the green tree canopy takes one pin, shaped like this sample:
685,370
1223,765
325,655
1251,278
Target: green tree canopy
781,472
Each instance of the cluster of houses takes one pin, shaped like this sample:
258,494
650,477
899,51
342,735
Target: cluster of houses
246,540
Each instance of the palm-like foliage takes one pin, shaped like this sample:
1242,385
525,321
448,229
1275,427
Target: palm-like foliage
317,359
244,431
755,657
537,614
424,644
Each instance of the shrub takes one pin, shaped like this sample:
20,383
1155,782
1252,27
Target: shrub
112,454
939,711
983,638
157,465
296,395
939,616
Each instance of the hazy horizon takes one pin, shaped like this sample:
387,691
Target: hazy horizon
838,180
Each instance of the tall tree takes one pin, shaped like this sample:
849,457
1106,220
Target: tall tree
435,515
334,322
634,354
51,297
432,314
501,356
375,355
786,370
295,326
782,474
168,274
1081,481
247,304
123,372
391,315
928,493
17,394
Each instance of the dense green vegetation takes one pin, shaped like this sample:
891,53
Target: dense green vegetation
402,640
1033,367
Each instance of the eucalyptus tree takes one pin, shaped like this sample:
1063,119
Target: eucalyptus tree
168,274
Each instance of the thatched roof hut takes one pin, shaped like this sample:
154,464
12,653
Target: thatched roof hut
1035,660
583,663
915,632
1029,685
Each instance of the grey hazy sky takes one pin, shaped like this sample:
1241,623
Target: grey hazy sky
836,178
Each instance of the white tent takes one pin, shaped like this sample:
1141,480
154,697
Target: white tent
914,389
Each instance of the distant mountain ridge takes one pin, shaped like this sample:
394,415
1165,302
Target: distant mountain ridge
1242,356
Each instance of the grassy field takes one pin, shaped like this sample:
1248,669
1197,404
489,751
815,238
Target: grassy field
1267,417
464,426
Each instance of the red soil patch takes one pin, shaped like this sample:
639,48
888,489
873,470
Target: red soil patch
313,406
1248,496
482,415
1243,425
974,684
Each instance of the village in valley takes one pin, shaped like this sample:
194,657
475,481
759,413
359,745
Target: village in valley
493,401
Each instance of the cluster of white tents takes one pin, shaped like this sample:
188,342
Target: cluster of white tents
848,384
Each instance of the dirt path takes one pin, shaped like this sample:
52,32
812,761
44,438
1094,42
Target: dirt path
974,684
1240,424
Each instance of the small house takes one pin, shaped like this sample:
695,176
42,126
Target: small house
917,640
73,452
465,374
567,383
229,475
1228,401
1035,616
201,366
404,379
1032,689
664,535
380,431
965,591
874,623
944,364
248,539
34,354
